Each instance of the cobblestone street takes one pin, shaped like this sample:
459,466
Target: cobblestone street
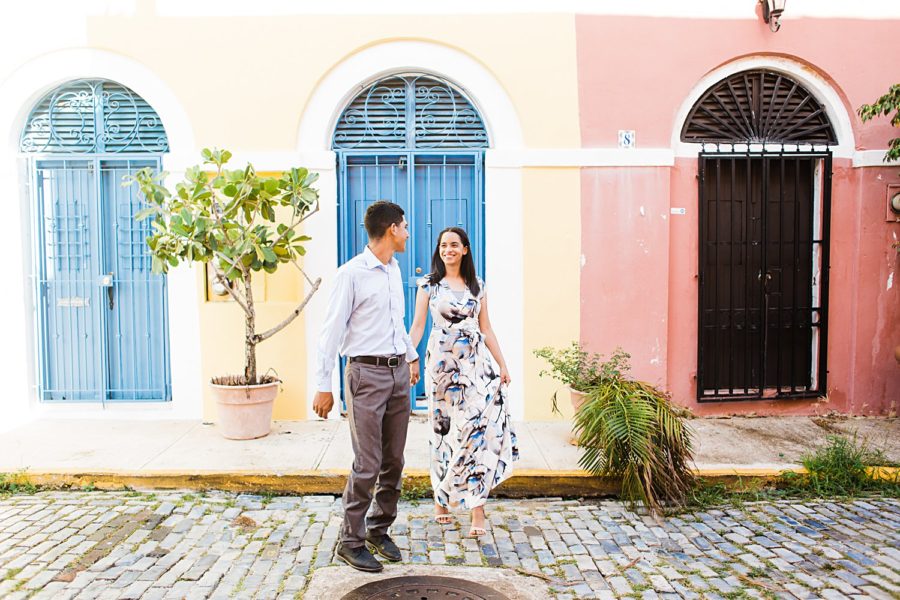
217,545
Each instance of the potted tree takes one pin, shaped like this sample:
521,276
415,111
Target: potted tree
240,224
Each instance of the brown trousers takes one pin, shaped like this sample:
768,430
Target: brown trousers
378,412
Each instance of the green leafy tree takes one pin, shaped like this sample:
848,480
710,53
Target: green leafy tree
884,106
237,222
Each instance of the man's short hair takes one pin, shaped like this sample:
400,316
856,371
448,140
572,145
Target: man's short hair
380,216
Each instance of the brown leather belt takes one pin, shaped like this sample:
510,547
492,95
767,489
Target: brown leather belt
379,361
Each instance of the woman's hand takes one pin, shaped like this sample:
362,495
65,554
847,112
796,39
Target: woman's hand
504,376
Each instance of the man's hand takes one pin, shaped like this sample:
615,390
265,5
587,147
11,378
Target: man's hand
323,403
414,372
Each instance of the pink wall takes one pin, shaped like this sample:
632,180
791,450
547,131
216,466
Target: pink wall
635,72
639,280
625,241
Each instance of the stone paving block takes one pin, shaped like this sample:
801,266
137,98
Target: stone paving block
887,573
706,553
877,593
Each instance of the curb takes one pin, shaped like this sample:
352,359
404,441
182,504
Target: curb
525,483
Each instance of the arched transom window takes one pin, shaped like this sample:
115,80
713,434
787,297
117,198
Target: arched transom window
412,112
758,106
93,116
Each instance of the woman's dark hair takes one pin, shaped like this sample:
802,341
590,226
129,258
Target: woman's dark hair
466,267
380,216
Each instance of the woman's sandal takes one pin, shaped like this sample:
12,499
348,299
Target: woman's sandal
476,532
443,518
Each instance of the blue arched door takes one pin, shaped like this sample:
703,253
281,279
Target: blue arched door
101,315
414,140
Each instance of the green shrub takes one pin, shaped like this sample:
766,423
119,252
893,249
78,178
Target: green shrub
630,429
840,468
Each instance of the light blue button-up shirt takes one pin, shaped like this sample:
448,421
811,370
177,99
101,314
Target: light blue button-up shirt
365,315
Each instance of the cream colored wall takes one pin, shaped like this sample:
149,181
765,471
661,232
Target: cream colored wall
216,66
244,83
552,222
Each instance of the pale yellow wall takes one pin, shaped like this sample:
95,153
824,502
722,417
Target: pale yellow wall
245,81
551,230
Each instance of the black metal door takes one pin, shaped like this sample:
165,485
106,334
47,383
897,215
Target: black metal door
763,275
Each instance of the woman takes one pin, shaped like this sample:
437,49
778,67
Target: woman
472,444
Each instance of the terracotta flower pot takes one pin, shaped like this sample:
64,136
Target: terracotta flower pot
245,412
578,399
897,354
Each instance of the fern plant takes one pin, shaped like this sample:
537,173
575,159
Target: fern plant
630,429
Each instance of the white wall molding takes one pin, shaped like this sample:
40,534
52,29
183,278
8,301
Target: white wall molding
817,86
18,95
872,158
580,157
503,187
319,160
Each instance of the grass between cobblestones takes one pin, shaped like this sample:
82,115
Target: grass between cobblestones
175,544
844,468
16,483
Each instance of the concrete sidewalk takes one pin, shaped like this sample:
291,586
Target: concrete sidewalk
315,456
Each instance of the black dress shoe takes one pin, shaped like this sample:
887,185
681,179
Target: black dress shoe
358,558
385,546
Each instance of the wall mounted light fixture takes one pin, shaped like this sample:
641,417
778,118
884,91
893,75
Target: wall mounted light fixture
771,10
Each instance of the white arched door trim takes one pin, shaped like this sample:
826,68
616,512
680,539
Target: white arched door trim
503,186
18,95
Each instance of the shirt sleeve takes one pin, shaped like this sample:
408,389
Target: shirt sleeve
340,304
411,353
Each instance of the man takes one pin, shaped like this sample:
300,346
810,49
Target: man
365,319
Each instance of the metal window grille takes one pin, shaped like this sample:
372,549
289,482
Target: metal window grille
758,106
410,112
93,116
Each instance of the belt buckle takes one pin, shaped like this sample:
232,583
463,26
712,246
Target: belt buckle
393,361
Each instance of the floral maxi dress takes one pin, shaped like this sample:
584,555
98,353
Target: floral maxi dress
472,443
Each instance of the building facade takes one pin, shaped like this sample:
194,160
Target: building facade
681,182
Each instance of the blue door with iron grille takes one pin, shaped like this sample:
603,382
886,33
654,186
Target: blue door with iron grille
415,140
101,314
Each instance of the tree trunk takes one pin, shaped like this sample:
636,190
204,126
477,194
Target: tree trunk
250,341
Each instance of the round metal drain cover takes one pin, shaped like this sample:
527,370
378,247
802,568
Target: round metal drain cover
424,588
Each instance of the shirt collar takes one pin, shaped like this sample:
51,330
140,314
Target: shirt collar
372,261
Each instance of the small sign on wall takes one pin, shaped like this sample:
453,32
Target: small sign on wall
626,138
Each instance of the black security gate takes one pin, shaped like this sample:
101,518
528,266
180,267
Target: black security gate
763,274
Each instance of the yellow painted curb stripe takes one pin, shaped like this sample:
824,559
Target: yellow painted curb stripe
524,483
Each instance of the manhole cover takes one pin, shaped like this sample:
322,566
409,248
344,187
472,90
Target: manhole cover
423,588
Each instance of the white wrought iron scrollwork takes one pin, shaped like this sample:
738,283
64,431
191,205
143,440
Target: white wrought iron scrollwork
93,116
